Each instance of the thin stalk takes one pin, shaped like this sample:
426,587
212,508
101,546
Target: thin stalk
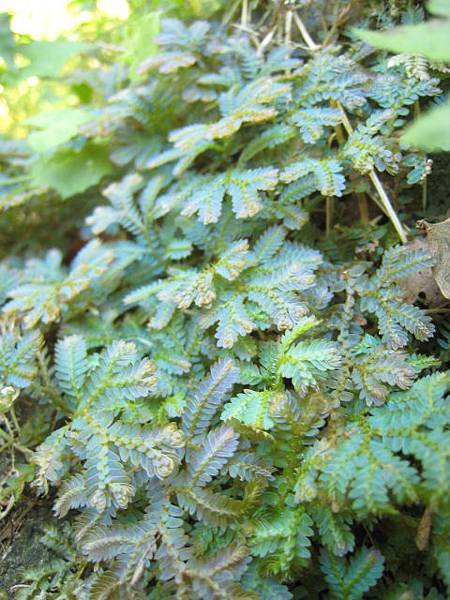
228,16
9,440
376,201
11,443
384,198
338,21
424,182
388,206
329,215
12,412
424,194
244,13
363,207
288,29
305,34
340,134
265,42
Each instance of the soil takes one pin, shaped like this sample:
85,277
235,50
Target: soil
20,545
439,186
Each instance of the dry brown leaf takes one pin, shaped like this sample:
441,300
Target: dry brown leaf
421,285
438,238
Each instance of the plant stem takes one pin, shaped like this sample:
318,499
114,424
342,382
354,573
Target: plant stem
305,34
388,206
385,202
244,14
363,207
424,194
329,215
339,134
288,30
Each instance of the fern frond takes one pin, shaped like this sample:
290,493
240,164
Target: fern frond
71,365
327,172
210,507
250,407
39,299
217,449
18,365
209,396
307,363
284,540
311,121
351,581
243,186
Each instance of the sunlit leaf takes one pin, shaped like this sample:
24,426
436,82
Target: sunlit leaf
69,172
430,131
429,39
56,127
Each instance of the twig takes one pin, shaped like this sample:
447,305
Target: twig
388,206
265,42
384,198
288,30
244,13
424,195
305,34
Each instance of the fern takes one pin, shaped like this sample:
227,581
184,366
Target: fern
311,122
202,407
18,366
235,406
351,581
46,290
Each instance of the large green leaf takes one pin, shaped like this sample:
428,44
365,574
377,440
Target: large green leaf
47,59
56,127
431,39
439,7
7,43
431,131
70,172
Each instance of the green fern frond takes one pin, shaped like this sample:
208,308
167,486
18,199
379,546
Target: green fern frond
351,581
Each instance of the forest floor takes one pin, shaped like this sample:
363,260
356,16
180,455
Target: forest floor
20,545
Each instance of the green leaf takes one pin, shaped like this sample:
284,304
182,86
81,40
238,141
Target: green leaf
69,172
71,364
48,58
350,582
251,408
431,131
217,449
56,127
7,43
428,39
307,363
439,7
